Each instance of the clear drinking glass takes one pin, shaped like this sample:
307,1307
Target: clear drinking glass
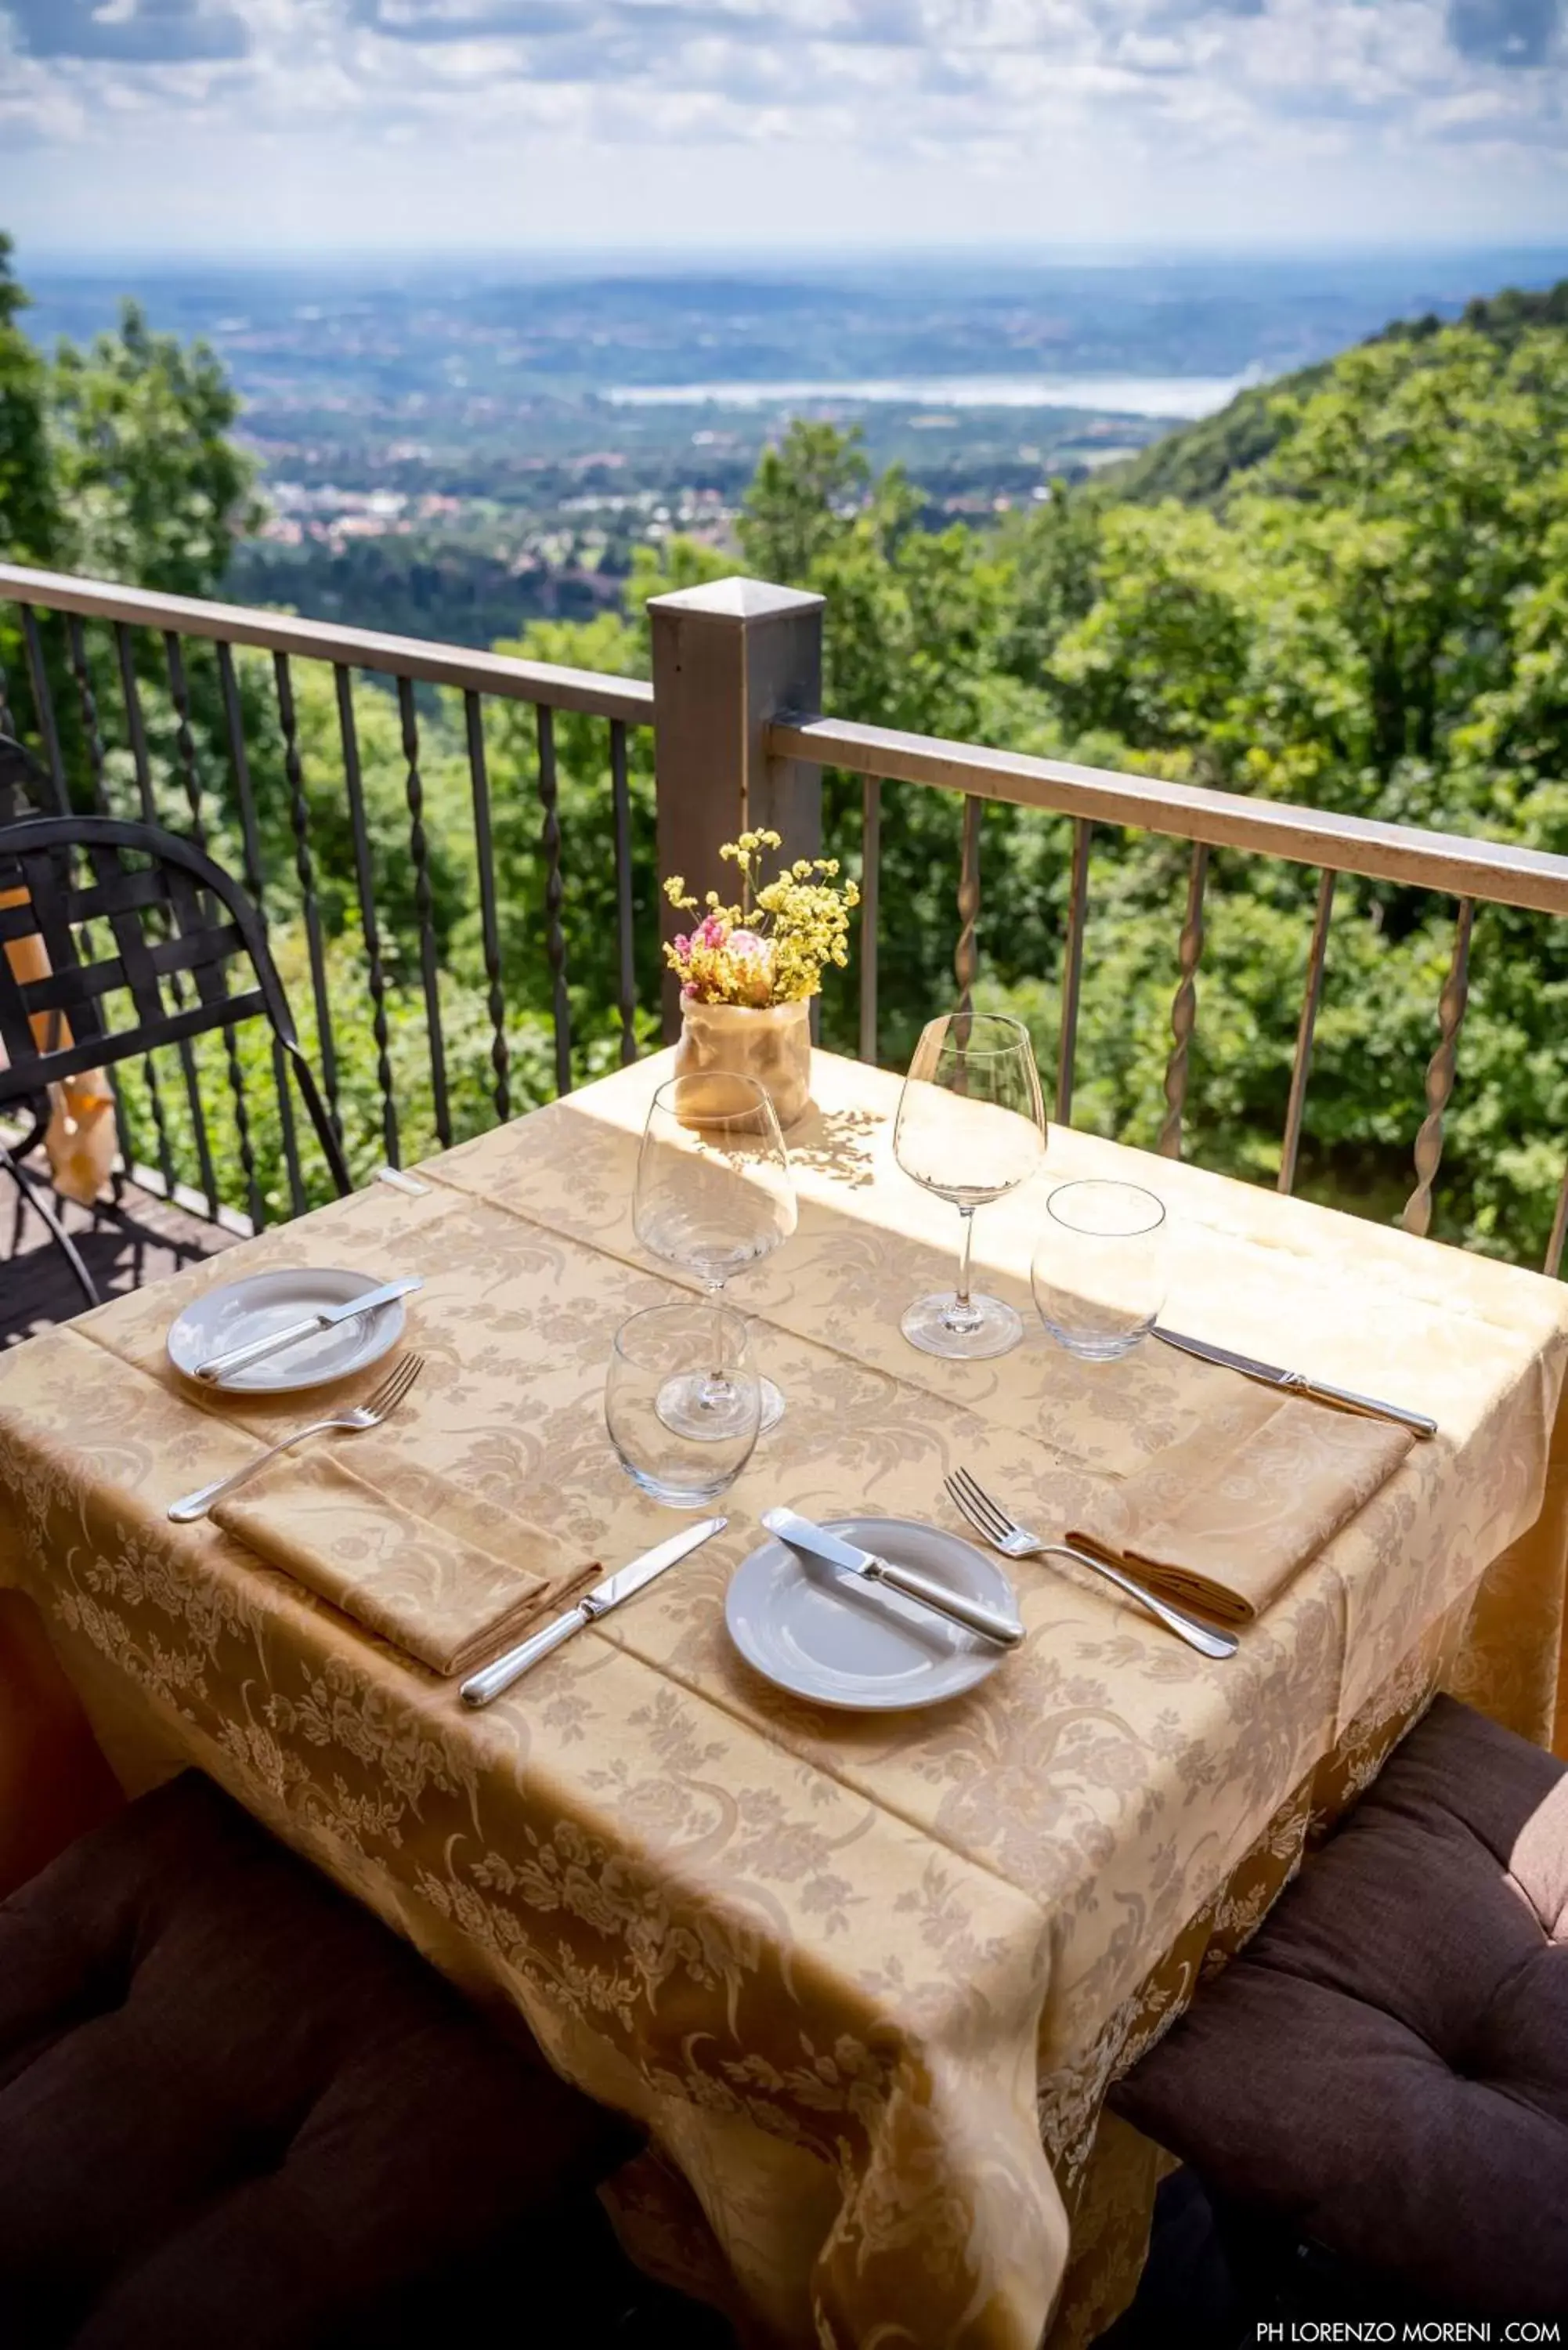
659,1357
1099,1269
971,1126
713,1194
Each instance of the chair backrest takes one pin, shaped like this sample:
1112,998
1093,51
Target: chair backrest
129,916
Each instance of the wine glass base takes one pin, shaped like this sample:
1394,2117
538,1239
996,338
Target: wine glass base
772,1407
708,1410
988,1327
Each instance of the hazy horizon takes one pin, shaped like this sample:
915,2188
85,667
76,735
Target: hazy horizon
681,260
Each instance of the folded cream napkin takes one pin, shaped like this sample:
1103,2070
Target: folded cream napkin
452,1594
1222,1521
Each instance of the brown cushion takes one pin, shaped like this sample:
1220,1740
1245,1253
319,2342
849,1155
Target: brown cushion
1387,2063
235,2109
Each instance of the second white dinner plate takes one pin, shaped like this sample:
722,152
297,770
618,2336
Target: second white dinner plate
240,1311
823,1633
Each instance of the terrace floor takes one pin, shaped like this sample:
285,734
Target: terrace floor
125,1243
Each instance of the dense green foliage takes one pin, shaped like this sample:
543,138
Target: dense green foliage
1364,607
1199,461
1373,619
29,519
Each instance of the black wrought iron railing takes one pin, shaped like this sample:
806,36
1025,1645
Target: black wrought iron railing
1467,871
190,713
459,851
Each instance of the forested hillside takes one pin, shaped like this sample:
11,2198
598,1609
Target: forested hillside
1374,618
1198,462
1360,600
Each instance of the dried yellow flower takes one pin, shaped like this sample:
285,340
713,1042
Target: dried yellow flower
774,944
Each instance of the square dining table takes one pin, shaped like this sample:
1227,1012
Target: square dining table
865,1979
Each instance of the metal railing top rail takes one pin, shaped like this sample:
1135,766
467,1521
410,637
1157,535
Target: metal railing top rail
1456,863
594,695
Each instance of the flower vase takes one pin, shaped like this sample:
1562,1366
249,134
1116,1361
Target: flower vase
770,1043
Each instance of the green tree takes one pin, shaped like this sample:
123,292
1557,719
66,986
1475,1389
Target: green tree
155,490
30,525
801,492
29,504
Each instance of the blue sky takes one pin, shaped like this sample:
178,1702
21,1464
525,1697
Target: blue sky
328,125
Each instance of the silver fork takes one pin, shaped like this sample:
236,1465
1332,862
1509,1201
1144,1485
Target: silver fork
368,1414
990,1521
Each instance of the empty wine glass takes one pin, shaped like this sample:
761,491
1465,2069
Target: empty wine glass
714,1195
971,1128
660,1355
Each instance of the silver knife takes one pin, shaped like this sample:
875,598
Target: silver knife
1298,1383
483,1685
294,1334
801,1534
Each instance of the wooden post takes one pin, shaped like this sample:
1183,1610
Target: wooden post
727,659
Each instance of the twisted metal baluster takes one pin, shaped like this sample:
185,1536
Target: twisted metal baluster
349,735
1184,1008
135,725
304,873
870,902
256,882
1440,1071
620,795
136,731
184,741
479,781
1073,968
92,735
425,902
555,891
966,954
44,706
185,744
86,700
1296,1107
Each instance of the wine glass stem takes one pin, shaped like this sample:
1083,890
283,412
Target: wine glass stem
963,1316
717,1390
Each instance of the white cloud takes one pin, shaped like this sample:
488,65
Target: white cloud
204,121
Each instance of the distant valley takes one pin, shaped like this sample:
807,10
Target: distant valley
455,451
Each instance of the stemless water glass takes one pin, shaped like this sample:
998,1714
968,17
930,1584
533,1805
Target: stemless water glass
659,1357
1098,1273
713,1194
971,1126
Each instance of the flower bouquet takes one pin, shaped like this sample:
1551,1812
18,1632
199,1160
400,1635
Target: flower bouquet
748,972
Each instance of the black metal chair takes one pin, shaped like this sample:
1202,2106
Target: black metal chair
124,910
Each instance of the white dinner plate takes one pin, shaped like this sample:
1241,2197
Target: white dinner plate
243,1310
823,1633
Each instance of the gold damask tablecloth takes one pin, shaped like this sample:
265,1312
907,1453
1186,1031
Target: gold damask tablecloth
866,1980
